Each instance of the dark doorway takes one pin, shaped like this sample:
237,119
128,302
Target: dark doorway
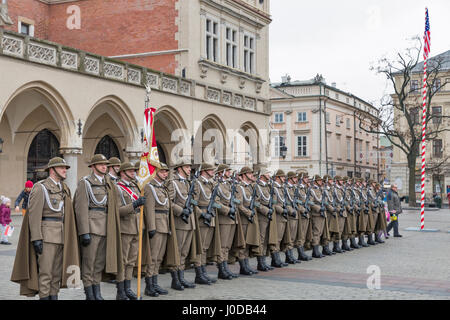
161,154
107,147
43,147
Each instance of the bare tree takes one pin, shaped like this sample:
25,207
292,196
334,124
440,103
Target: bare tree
406,104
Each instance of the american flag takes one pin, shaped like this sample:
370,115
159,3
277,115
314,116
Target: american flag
426,36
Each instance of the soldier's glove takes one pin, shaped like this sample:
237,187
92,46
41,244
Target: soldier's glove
139,202
152,233
85,239
38,246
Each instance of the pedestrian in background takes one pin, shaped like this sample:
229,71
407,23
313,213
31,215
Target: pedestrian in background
395,208
5,218
24,195
448,198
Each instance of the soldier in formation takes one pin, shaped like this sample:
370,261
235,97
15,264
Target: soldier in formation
194,217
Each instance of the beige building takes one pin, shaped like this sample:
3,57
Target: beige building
319,127
58,100
437,149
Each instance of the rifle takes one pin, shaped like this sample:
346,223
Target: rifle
211,206
333,213
270,213
366,203
285,210
188,209
342,203
307,204
233,201
253,203
323,203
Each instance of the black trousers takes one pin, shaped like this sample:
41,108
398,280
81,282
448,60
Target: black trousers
393,224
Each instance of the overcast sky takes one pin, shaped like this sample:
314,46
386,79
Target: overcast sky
342,39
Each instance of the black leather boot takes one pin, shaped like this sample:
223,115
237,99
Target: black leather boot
302,255
361,241
275,263
353,243
234,275
97,292
370,240
149,288
176,284
289,259
316,252
345,246
378,238
212,280
260,266
244,270
294,258
186,284
222,274
89,293
247,263
200,277
283,264
130,294
54,297
268,267
158,289
121,295
336,247
326,251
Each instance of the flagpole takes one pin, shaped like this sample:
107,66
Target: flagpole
424,116
141,218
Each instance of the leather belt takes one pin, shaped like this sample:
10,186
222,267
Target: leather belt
162,211
51,219
203,207
98,209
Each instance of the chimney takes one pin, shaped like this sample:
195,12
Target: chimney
333,84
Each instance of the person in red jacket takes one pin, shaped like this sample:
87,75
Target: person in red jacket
5,219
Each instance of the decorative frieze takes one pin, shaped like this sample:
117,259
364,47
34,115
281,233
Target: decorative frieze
114,71
185,88
169,84
41,53
69,60
12,46
134,76
249,103
153,80
226,98
238,101
92,65
213,95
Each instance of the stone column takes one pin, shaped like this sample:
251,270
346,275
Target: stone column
71,156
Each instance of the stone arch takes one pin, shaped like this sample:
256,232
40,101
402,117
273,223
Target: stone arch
251,136
210,142
50,99
171,135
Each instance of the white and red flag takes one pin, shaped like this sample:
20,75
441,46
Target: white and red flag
149,158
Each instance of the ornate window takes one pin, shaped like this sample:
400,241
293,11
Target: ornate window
107,147
43,147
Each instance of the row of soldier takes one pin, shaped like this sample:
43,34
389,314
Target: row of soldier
215,215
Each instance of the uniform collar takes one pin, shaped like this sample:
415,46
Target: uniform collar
58,184
99,178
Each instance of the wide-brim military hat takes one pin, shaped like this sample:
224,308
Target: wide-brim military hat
327,177
302,174
113,161
337,178
291,174
137,165
223,167
245,170
279,173
317,177
370,181
98,159
126,166
162,166
207,166
345,178
264,172
181,163
57,162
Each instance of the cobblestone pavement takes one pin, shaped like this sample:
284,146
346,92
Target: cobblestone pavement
413,267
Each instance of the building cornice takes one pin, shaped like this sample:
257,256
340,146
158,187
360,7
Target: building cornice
18,46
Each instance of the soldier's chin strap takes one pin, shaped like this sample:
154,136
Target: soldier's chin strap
61,178
185,173
131,179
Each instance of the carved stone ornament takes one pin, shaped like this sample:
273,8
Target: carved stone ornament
40,53
12,46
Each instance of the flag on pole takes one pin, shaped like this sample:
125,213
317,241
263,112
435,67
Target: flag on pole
426,51
149,158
